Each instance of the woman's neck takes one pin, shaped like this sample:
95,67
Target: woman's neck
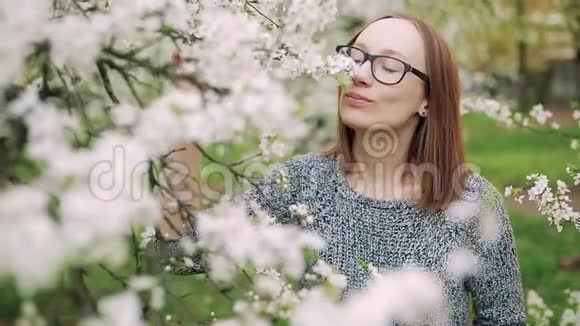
381,158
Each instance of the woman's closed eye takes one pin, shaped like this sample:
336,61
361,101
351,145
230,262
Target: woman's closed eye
389,69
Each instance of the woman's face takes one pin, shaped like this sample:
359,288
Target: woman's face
394,105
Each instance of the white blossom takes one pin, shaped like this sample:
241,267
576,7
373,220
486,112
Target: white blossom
32,244
142,282
574,174
574,144
282,179
461,263
537,309
272,147
157,298
462,210
508,191
408,296
571,315
229,232
301,212
119,309
556,206
146,236
29,315
540,114
125,115
492,108
330,274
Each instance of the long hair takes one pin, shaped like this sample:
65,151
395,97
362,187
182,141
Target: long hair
438,140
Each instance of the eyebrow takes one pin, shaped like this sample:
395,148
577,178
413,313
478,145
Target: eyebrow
383,51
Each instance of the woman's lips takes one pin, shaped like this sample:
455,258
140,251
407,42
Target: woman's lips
356,101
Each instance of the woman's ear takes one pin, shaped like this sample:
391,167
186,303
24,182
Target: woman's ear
424,109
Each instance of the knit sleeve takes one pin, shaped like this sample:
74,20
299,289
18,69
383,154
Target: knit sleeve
495,285
273,193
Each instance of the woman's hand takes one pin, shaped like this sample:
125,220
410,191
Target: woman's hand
180,186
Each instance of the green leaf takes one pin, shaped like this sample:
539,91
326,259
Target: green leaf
301,110
272,138
166,29
53,207
310,256
68,182
281,322
363,263
342,79
176,109
517,191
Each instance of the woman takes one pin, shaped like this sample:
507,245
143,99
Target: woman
391,190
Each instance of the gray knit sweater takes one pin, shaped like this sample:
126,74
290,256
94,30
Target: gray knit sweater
395,233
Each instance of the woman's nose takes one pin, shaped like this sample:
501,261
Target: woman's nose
363,74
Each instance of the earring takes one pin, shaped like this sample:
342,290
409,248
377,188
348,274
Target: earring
423,113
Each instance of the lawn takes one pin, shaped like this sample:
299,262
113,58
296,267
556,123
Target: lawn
505,157
540,248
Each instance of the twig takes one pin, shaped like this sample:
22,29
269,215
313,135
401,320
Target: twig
126,77
101,66
236,174
81,291
136,252
172,151
222,291
262,14
186,308
129,57
245,159
116,277
80,8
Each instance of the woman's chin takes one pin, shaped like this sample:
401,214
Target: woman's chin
358,123
356,118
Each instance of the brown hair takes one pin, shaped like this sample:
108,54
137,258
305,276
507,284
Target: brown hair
437,140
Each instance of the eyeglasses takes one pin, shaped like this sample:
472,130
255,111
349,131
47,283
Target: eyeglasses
385,69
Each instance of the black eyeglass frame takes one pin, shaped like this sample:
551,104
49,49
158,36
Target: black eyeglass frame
372,57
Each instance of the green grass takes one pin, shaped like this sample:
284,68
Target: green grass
506,157
540,248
